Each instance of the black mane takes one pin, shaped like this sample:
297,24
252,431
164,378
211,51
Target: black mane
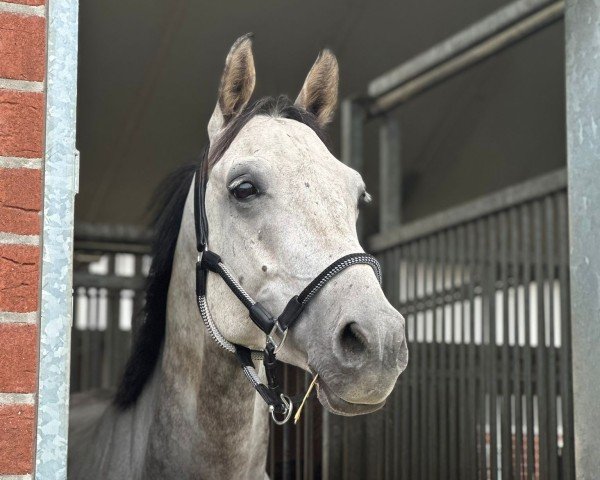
169,199
168,203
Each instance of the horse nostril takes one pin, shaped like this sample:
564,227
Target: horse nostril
353,340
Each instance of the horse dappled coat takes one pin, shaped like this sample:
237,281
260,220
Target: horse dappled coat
281,208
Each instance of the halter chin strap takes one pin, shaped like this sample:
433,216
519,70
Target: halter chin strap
275,328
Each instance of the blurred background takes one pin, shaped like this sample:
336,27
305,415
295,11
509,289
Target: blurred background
468,218
149,72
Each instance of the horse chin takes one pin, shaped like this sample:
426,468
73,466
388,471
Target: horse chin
337,405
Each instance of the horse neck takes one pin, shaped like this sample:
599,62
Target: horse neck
209,423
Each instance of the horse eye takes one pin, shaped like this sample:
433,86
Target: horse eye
244,190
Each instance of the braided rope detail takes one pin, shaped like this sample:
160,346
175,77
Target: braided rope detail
237,285
211,327
216,335
358,260
252,376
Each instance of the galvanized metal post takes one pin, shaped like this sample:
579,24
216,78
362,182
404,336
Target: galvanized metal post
390,174
582,27
352,121
353,116
60,185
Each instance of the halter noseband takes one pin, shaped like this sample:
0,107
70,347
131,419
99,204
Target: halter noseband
208,261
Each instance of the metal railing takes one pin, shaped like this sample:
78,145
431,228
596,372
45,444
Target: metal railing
484,288
480,41
111,263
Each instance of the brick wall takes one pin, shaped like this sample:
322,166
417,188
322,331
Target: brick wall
22,103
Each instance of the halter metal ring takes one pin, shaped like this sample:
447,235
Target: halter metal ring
282,333
289,407
200,253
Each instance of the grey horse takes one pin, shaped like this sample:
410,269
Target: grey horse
280,207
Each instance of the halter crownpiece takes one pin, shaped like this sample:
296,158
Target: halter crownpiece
280,405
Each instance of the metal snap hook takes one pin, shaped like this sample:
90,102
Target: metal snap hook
289,407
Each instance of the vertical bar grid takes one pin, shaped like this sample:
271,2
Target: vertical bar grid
542,373
406,378
416,370
481,406
422,339
433,378
506,421
551,398
529,454
516,251
398,424
492,374
471,357
451,341
443,364
461,371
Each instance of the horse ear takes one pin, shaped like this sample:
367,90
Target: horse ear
237,84
319,93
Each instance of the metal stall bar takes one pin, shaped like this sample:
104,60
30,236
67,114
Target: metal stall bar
105,238
465,39
481,401
471,426
541,370
494,359
405,380
505,198
482,40
566,390
583,164
390,176
505,407
529,453
397,426
352,117
432,393
552,367
516,250
452,372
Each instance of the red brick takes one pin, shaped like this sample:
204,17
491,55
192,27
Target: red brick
21,124
19,271
26,2
20,200
17,423
22,47
18,358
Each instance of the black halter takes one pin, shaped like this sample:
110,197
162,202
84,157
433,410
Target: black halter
279,403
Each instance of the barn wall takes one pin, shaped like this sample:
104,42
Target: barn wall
22,113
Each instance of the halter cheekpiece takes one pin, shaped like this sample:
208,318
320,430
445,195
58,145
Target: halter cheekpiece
275,328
